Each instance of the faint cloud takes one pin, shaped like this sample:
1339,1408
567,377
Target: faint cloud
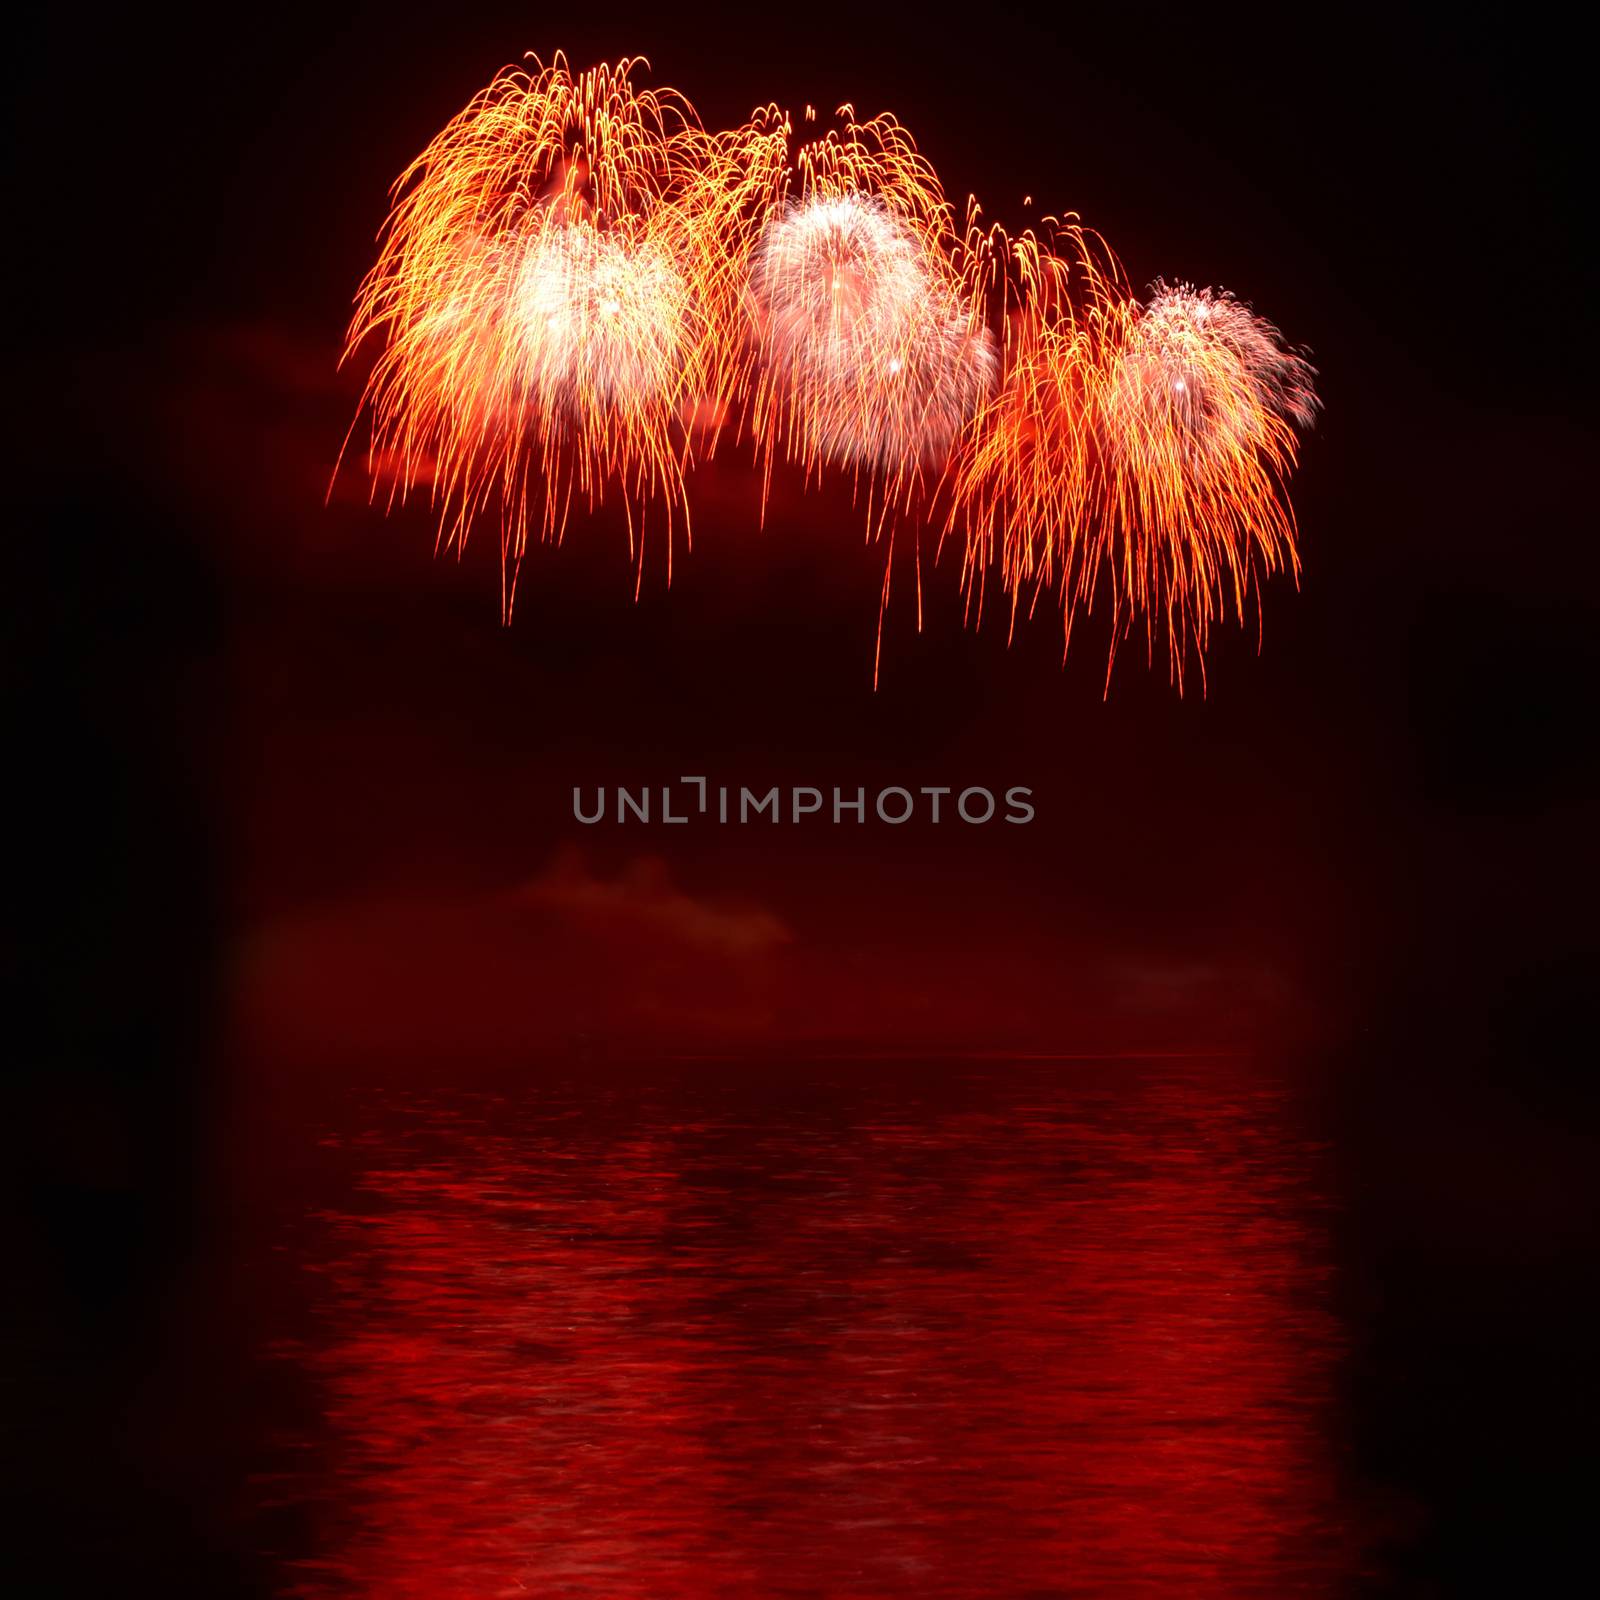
567,959
644,898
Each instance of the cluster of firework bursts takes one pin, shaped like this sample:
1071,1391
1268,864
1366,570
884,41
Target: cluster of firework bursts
580,289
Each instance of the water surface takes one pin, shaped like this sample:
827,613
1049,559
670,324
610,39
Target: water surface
980,1329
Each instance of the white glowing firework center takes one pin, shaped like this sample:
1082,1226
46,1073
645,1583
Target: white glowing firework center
598,321
874,352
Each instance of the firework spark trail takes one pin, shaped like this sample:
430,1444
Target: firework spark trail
1136,452
578,287
536,297
1021,482
871,354
1197,418
871,358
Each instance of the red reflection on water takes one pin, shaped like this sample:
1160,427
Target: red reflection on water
1035,1335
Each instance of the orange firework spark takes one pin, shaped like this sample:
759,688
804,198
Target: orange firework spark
1021,481
578,285
1196,421
1135,451
538,299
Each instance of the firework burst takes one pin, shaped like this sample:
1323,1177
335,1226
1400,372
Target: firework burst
877,361
1196,416
871,353
536,297
1135,453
